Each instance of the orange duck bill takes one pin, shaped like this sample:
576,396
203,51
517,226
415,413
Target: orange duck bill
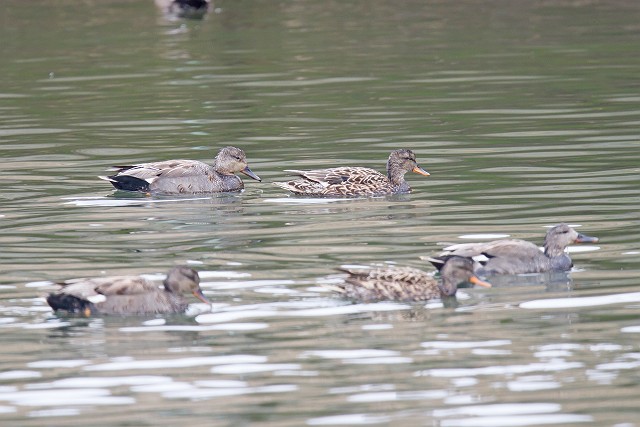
478,282
198,294
420,171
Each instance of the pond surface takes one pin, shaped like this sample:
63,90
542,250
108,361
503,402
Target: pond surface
526,114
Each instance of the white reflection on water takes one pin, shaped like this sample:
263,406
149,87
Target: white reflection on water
175,363
447,345
521,414
202,393
501,370
348,354
348,420
553,303
65,397
244,368
517,420
100,382
390,396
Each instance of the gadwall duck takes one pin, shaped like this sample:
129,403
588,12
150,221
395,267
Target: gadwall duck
515,256
406,284
189,9
348,181
133,295
185,176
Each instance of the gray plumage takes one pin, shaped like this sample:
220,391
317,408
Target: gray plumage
185,176
127,295
515,256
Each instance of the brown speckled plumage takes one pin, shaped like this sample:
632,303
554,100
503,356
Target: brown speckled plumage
405,283
349,181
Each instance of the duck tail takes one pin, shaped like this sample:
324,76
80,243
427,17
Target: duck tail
127,183
69,303
437,261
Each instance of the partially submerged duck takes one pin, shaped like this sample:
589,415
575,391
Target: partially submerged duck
188,9
515,256
407,284
128,295
349,181
185,176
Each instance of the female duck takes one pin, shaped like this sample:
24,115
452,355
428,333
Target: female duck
348,181
515,256
185,176
405,283
133,295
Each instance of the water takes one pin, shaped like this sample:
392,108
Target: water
526,114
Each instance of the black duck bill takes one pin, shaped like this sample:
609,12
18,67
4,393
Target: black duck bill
250,174
582,238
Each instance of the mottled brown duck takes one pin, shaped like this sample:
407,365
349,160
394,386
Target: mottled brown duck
406,284
350,181
127,295
515,256
185,176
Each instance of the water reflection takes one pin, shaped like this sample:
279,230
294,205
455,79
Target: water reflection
525,114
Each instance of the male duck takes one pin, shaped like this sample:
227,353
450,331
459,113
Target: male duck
405,283
133,295
189,9
515,256
185,176
348,181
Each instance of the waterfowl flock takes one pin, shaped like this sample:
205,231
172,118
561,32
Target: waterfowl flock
458,265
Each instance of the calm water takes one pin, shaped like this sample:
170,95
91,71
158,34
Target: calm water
525,113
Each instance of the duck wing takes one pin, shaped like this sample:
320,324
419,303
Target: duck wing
388,283
85,288
166,169
343,181
509,248
341,175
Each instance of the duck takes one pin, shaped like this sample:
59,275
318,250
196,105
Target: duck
127,295
406,284
188,9
185,176
516,256
350,181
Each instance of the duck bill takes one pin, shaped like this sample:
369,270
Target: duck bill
474,280
586,239
250,174
198,294
420,171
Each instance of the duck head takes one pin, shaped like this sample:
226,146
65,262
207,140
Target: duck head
561,236
456,271
182,280
400,162
231,160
